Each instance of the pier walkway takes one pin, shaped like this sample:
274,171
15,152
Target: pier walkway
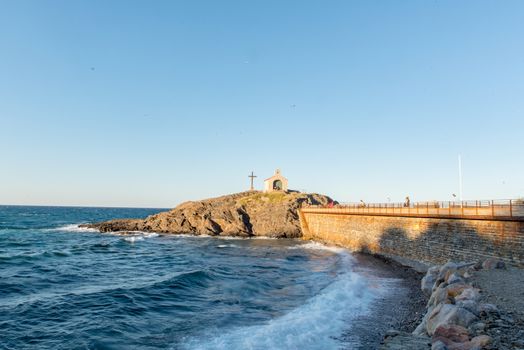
504,210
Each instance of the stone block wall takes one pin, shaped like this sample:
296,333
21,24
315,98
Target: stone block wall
426,240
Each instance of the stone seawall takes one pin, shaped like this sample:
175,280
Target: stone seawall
419,240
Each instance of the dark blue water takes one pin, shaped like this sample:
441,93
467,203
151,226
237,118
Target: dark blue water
66,288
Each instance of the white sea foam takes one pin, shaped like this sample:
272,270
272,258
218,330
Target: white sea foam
262,237
150,234
189,235
227,246
315,325
73,228
227,238
319,246
134,234
133,239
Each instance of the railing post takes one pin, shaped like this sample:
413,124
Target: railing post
510,209
492,208
449,208
462,208
427,208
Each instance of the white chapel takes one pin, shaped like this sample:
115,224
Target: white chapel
276,182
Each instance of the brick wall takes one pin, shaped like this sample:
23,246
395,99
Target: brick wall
426,240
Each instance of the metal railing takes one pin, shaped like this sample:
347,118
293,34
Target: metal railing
507,209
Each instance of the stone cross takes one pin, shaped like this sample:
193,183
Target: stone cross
252,176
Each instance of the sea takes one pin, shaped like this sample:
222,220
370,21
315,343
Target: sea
65,287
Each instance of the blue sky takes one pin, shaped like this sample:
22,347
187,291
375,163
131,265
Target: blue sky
151,103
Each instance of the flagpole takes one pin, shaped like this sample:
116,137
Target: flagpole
460,178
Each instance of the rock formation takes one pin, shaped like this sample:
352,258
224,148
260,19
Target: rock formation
456,317
243,214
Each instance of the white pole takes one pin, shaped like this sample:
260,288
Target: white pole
460,178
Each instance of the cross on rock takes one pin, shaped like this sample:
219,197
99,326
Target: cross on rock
252,176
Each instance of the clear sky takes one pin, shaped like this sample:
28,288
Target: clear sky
151,103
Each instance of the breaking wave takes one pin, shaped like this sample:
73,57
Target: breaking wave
317,324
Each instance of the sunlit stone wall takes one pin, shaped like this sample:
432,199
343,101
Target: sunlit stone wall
426,240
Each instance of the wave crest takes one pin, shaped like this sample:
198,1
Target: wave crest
315,325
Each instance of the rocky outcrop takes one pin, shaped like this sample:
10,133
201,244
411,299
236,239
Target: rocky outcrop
244,214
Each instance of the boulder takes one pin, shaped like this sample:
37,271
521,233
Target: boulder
439,296
488,309
466,269
492,263
481,341
450,333
448,314
428,281
450,268
476,343
470,305
405,341
454,278
420,330
446,269
468,294
457,289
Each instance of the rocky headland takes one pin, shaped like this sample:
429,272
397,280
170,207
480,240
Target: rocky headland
242,214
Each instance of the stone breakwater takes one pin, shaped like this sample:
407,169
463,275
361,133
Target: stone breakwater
457,316
243,214
432,241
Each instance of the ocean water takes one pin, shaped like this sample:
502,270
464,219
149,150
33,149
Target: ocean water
62,287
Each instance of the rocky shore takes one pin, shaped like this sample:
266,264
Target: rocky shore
461,313
242,214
